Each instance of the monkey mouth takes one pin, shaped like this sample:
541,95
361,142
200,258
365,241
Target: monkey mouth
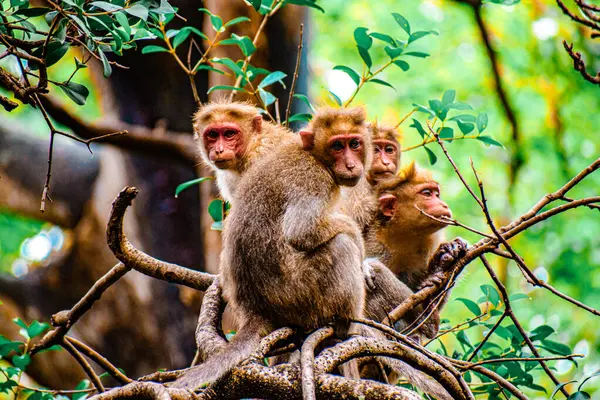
348,180
223,162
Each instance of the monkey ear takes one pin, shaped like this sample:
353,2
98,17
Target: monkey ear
308,139
257,123
387,204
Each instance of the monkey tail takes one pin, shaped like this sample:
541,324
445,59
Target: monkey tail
241,346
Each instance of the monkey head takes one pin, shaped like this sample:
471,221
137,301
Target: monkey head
223,130
340,139
402,199
386,156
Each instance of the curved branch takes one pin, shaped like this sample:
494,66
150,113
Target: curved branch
363,346
307,361
209,335
142,262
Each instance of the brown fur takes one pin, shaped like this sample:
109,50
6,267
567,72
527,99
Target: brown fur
290,259
258,144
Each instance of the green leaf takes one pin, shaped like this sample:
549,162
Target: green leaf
195,31
180,37
364,54
417,125
556,348
488,140
402,64
106,68
424,109
215,20
418,54
181,187
300,117
471,305
209,68
403,22
580,396
224,87
382,82
215,210
106,6
465,127
448,97
558,387
491,293
459,106
138,10
464,339
273,77
306,3
154,49
420,34
76,92
518,296
7,346
21,361
123,21
351,72
541,332
335,98
436,106
246,44
236,21
393,52
595,374
463,118
305,100
383,37
234,67
54,52
255,4
164,8
266,97
446,133
32,12
482,121
362,38
431,155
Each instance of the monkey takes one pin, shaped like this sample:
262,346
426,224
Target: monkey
233,135
409,242
290,258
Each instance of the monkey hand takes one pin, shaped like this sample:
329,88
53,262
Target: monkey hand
447,254
369,266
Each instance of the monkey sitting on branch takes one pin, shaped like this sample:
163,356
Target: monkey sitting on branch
407,234
289,257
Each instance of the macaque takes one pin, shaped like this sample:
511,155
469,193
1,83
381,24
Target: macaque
408,240
360,202
386,157
233,135
290,258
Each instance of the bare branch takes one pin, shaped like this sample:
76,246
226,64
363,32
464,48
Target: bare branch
141,262
293,87
84,364
307,361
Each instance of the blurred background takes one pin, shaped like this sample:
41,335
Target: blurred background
545,115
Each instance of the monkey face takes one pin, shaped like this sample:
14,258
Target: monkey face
348,154
224,144
428,199
385,159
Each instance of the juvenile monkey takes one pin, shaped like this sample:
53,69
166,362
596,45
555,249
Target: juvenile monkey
233,135
289,258
408,240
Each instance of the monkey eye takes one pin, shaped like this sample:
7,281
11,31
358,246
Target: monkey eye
377,149
230,133
354,144
337,145
389,149
426,192
212,134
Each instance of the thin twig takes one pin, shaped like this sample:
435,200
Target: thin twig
84,364
296,69
99,359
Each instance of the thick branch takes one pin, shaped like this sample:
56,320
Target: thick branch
142,262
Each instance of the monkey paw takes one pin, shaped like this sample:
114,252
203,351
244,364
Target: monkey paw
368,267
447,254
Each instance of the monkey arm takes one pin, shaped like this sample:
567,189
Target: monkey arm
308,223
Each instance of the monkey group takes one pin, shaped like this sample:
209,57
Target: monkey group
323,229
